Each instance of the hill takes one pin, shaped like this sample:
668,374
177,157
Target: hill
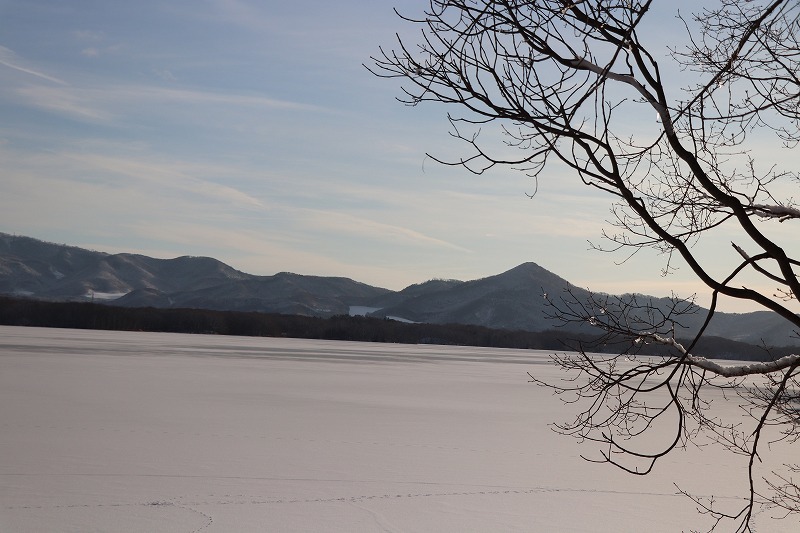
42,270
512,300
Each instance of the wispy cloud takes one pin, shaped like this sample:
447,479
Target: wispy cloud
179,176
113,102
10,59
344,223
193,236
172,181
519,216
67,101
204,97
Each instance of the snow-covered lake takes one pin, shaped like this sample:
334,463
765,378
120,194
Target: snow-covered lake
111,431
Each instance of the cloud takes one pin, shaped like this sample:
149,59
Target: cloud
345,223
153,93
178,176
194,236
10,59
64,101
166,75
508,215
110,103
145,179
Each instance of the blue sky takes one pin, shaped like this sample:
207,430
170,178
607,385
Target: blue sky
251,132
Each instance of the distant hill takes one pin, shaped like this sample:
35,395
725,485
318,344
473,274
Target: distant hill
33,268
512,300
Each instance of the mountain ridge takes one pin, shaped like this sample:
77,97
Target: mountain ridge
512,300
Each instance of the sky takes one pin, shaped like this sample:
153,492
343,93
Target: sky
251,132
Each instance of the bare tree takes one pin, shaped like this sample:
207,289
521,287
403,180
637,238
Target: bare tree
567,82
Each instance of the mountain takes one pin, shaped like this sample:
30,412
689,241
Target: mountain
515,300
282,293
33,268
510,300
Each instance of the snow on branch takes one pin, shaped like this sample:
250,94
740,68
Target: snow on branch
744,370
781,212
733,371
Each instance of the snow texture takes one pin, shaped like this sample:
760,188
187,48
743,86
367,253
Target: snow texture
110,431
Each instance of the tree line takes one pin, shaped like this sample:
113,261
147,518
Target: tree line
90,315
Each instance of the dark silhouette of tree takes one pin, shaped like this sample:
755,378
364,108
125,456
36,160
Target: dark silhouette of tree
587,85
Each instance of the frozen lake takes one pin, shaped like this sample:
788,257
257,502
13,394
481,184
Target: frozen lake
118,431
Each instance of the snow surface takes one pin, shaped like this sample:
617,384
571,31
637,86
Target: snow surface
111,431
104,295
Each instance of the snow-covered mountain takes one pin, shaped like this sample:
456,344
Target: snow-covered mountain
29,267
510,300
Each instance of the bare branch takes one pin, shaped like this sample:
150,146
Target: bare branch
560,81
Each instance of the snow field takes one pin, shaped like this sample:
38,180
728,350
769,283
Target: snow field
117,431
